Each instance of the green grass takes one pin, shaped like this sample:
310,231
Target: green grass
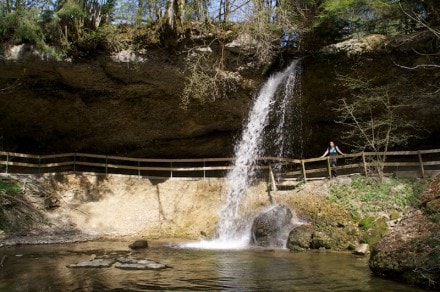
367,195
10,187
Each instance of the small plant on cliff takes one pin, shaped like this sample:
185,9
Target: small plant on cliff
10,187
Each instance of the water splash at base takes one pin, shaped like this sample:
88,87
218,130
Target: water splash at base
217,244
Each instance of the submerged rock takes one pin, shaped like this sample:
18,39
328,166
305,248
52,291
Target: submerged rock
138,264
95,263
138,244
271,228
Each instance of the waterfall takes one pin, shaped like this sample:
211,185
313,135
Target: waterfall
247,149
283,131
233,231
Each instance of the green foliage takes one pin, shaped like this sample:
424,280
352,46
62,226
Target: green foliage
22,27
366,222
365,16
374,229
70,9
367,195
10,187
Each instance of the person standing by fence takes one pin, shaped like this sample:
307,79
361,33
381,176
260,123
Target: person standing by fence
332,150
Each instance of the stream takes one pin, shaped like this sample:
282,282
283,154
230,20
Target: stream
43,268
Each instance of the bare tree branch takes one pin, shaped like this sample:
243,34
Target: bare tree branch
417,66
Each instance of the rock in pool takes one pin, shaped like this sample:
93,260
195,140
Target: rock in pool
139,244
362,249
98,263
272,227
138,264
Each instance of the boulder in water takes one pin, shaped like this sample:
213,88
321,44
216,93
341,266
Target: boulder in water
94,263
138,264
361,249
138,244
271,227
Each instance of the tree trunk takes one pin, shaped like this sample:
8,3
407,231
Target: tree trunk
140,11
8,6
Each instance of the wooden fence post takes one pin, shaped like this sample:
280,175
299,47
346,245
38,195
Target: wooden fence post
204,170
171,170
7,162
364,162
303,166
273,197
329,168
422,169
106,165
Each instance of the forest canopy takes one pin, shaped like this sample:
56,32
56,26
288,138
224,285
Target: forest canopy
67,27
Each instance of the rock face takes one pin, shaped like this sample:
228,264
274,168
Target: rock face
411,251
128,103
116,104
272,227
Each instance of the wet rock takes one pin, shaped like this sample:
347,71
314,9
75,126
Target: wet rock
271,228
300,238
95,263
138,264
361,249
322,240
139,244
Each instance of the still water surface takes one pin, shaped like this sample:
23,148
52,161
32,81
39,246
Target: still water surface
43,268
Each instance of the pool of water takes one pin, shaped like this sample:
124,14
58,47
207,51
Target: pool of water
43,268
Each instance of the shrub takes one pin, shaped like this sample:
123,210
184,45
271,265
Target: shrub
10,187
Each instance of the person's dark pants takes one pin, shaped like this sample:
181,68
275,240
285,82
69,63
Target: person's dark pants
333,162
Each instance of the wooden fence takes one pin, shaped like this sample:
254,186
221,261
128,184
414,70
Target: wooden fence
422,163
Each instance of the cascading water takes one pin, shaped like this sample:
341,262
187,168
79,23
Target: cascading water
283,114
233,231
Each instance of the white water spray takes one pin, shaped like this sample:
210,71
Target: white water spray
233,230
282,111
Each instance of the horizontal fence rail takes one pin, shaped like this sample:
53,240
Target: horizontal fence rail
421,162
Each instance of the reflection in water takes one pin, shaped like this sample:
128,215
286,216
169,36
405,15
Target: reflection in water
43,268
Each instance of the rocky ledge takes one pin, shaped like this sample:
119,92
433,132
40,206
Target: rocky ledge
411,251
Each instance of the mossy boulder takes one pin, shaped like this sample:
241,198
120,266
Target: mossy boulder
411,251
322,240
300,238
329,226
